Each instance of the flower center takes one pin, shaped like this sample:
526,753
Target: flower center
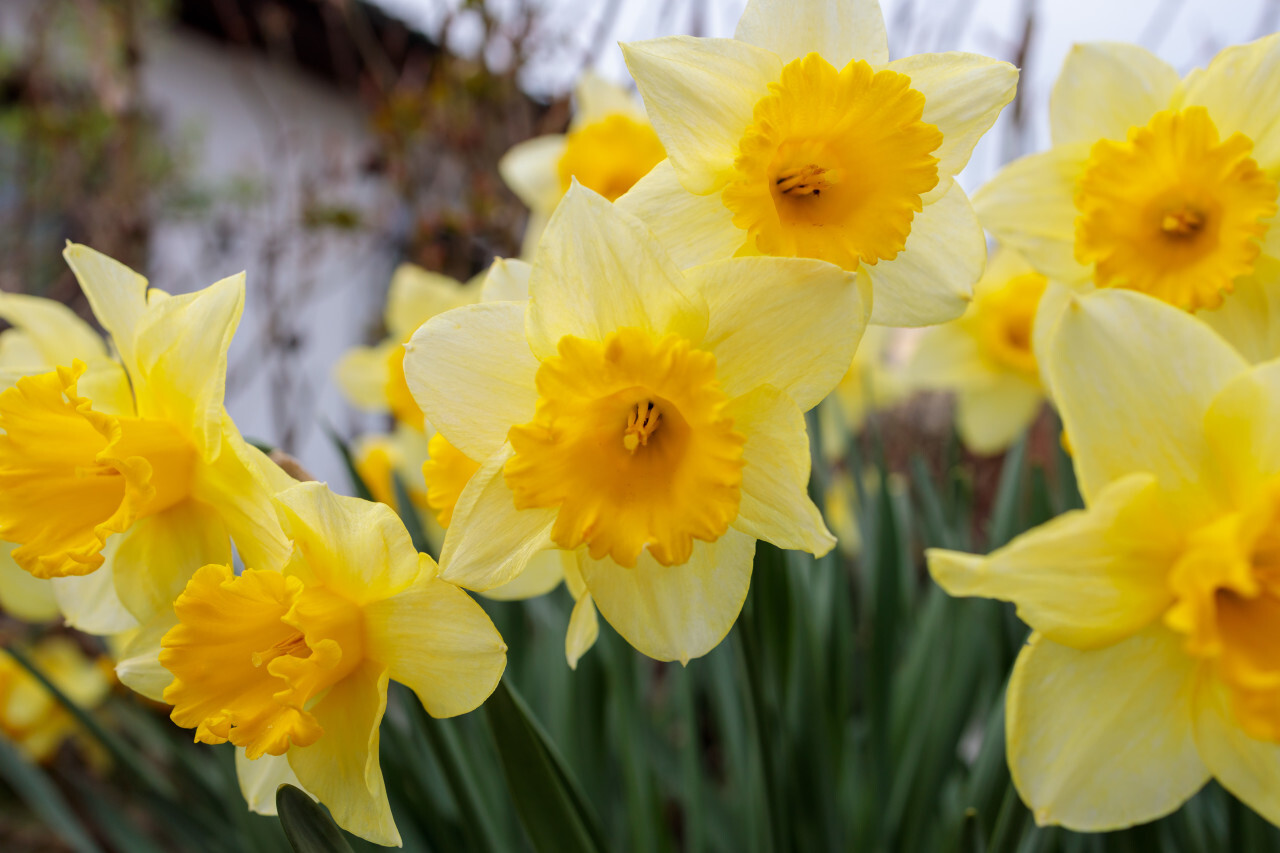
1005,319
447,472
70,476
834,164
1172,211
252,685
629,442
610,155
1226,588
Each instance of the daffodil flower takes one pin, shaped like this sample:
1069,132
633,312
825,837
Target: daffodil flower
300,684
372,378
1158,184
799,138
1154,662
648,415
986,357
610,145
155,483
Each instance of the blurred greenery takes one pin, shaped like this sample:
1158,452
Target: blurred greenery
853,706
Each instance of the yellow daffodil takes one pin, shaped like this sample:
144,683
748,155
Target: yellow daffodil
651,416
610,145
372,378
799,138
986,357
292,666
1154,662
1158,184
30,716
872,383
156,481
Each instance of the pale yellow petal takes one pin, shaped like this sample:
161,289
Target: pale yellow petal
840,30
695,229
416,295
341,769
363,374
775,479
55,331
991,416
22,595
949,357
599,269
543,574
356,547
1087,578
787,322
596,98
161,552
489,541
1249,317
1105,88
1248,768
261,778
239,485
436,640
1102,739
1133,378
90,603
19,355
963,95
584,629
1240,427
931,280
472,373
506,281
675,612
117,294
1029,207
531,170
1053,303
700,94
1241,88
138,660
181,349
107,385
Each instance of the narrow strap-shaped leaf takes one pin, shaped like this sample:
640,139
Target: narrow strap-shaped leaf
307,826
552,809
35,789
357,482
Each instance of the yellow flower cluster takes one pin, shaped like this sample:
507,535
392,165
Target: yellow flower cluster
626,411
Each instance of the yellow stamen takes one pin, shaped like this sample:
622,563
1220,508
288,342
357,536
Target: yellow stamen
807,180
640,425
1182,223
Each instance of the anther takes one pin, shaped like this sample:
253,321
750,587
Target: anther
1182,223
641,424
808,180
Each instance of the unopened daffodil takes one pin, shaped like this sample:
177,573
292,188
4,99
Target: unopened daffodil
1158,184
292,666
610,145
799,138
648,415
986,357
150,480
1154,662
